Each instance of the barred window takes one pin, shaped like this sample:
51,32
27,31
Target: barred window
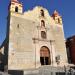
43,34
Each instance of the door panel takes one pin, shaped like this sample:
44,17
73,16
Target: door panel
45,56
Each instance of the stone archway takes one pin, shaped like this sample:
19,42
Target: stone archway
45,56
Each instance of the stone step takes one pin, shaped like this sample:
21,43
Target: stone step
44,70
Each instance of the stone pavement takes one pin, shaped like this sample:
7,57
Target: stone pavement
45,70
4,73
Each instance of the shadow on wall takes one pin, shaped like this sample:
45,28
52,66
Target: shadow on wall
1,62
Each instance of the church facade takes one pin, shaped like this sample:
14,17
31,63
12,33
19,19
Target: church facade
35,38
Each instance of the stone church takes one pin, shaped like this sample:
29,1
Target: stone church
35,38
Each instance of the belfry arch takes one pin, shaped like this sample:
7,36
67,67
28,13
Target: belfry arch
45,58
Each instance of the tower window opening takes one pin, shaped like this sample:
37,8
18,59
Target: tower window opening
16,9
42,13
58,20
42,23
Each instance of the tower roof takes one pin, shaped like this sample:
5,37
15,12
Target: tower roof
55,13
14,1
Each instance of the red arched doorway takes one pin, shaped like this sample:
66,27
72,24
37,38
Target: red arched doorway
45,56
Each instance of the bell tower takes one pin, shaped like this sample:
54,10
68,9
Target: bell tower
15,6
57,18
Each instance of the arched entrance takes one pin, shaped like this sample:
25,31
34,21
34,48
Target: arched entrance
45,56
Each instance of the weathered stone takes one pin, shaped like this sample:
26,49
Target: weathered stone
26,39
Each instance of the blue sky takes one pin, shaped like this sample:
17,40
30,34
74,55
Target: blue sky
66,8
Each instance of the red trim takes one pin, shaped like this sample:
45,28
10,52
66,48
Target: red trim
15,1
